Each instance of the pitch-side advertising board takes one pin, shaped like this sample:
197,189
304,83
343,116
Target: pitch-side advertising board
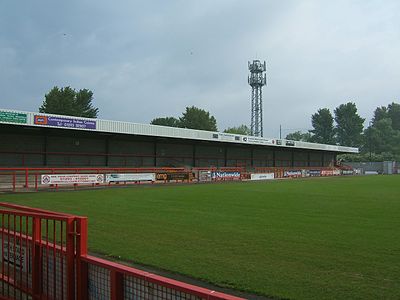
221,175
72,178
125,177
262,176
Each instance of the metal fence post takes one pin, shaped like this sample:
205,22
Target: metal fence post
81,265
70,248
117,285
36,258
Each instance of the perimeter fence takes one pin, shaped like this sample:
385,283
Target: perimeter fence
35,179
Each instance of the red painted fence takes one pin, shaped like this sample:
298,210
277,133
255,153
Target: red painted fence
44,256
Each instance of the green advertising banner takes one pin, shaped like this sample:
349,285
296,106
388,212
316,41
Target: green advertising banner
13,117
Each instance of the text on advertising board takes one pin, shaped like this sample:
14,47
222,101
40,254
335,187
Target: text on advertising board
174,176
225,175
292,173
124,177
71,178
262,176
13,117
64,122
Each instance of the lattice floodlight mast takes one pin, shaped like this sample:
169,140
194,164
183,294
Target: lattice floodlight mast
257,80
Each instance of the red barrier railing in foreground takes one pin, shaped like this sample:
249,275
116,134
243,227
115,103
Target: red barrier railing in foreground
44,256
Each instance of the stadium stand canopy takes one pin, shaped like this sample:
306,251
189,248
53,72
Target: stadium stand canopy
31,138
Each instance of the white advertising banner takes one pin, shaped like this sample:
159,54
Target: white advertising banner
225,175
71,178
130,177
292,173
262,176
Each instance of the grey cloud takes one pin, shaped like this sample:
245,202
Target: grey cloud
153,58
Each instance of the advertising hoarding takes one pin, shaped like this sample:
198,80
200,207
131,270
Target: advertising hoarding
262,176
71,178
314,173
326,172
174,176
347,172
125,177
292,173
222,175
204,175
65,122
13,117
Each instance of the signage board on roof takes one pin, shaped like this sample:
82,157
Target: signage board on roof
64,122
13,117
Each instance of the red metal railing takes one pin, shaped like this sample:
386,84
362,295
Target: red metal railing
37,253
44,256
16,179
12,179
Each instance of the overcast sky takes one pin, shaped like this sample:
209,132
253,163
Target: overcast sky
147,59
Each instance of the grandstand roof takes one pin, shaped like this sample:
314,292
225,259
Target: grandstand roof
23,118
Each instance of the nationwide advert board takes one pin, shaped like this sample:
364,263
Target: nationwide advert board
127,177
66,122
13,117
292,173
225,175
72,178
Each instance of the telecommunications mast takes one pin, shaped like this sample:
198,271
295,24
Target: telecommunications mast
256,79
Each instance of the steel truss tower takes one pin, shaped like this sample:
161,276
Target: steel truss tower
256,80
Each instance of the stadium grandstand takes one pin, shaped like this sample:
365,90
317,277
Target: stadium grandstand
37,146
36,140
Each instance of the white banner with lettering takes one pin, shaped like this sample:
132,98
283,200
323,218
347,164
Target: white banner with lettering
130,177
262,176
71,178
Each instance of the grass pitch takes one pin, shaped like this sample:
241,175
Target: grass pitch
325,238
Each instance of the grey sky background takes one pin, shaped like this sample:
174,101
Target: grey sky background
147,59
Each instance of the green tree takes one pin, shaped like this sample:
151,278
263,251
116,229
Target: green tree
322,122
242,129
299,136
349,125
167,121
380,113
67,101
394,114
197,118
83,104
382,138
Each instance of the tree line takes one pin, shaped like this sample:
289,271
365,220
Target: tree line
71,102
380,140
197,118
